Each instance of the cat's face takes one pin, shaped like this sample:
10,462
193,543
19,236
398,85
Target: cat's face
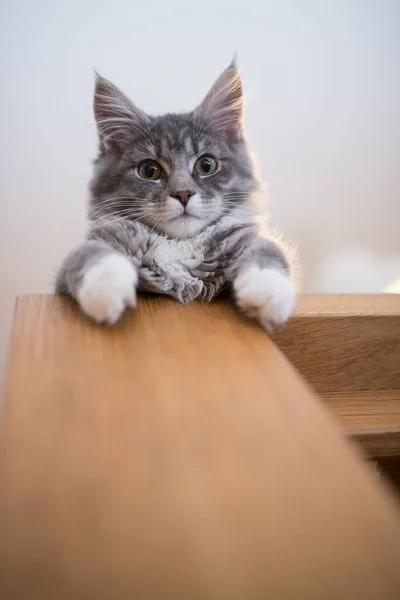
175,173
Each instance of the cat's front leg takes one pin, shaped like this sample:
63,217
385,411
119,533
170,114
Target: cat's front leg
262,285
101,280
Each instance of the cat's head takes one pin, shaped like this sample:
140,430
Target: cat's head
177,173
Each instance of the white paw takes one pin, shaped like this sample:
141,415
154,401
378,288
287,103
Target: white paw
266,295
107,288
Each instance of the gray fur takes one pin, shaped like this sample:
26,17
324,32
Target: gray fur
183,257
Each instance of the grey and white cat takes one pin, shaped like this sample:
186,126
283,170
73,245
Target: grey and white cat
172,211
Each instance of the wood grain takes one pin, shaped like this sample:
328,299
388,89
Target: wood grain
370,418
345,343
348,347
178,455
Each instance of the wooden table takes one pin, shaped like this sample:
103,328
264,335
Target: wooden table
179,455
348,347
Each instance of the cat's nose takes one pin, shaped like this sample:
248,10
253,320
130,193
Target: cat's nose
183,197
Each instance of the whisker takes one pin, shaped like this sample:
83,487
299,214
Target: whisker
117,206
117,198
99,223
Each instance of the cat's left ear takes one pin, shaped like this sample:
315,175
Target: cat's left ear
222,108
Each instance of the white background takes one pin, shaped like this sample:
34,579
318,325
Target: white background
322,115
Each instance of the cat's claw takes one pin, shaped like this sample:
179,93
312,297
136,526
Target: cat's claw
107,288
267,295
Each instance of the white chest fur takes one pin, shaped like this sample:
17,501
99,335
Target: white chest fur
174,254
168,266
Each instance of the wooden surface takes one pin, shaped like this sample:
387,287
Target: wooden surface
345,342
370,418
178,455
348,347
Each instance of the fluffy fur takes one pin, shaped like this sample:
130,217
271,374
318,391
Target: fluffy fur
185,233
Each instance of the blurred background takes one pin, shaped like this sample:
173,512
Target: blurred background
323,115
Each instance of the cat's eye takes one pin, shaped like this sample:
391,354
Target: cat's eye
206,165
150,169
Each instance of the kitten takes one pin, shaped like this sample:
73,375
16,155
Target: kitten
172,211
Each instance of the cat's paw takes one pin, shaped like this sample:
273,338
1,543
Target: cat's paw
107,288
266,295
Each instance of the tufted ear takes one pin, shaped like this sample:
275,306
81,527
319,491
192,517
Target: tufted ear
222,108
117,118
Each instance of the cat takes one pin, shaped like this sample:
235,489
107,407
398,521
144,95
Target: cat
172,211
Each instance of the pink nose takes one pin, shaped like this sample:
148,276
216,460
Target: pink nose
183,197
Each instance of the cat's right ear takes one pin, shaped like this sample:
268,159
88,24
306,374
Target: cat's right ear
117,118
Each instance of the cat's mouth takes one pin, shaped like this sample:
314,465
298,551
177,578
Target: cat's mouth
184,216
183,225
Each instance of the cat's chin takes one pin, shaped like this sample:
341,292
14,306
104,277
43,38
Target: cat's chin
183,227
